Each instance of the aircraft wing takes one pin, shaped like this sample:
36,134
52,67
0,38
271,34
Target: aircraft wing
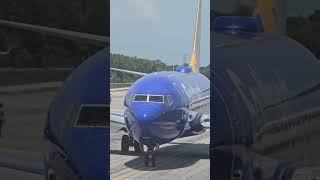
203,119
23,161
73,35
268,167
117,116
129,72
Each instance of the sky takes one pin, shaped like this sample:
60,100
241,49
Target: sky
159,29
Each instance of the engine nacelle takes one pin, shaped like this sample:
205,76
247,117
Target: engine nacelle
197,121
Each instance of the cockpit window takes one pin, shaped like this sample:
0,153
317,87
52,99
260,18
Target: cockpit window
168,99
156,99
140,98
93,115
152,98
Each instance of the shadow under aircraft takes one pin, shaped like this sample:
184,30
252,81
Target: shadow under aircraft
170,155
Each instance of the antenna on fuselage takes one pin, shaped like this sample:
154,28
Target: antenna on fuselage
194,63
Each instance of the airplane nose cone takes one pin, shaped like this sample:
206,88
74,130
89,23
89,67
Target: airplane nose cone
146,113
144,116
149,123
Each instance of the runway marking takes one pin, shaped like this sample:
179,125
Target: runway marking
205,141
126,175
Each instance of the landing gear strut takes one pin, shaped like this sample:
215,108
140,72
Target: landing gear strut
127,142
150,155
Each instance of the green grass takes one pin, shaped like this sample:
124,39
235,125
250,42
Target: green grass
11,77
114,86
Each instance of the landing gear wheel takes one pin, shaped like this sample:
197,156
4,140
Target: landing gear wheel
153,159
150,155
138,148
50,174
125,143
146,160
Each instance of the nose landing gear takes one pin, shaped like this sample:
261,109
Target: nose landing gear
127,142
150,155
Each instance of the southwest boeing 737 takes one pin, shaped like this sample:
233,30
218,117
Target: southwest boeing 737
164,106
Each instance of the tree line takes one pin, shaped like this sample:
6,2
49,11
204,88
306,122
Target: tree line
140,65
303,29
29,49
306,30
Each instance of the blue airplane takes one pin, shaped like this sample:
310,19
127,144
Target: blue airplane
77,126
266,91
164,106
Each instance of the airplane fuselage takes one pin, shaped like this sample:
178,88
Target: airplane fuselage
266,95
163,106
77,127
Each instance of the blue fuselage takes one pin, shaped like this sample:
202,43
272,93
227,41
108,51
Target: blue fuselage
82,146
264,89
160,117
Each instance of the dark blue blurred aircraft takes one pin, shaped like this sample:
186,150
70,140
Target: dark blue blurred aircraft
77,128
265,99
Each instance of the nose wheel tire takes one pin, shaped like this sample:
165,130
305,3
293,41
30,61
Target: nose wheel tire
125,143
146,160
153,159
50,174
150,155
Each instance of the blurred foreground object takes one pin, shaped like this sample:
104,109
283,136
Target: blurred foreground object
2,118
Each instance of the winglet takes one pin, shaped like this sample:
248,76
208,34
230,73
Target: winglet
194,63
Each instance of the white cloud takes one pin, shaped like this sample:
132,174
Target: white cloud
145,9
134,10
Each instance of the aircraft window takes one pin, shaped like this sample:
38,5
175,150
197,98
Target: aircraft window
93,116
156,99
140,98
168,100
